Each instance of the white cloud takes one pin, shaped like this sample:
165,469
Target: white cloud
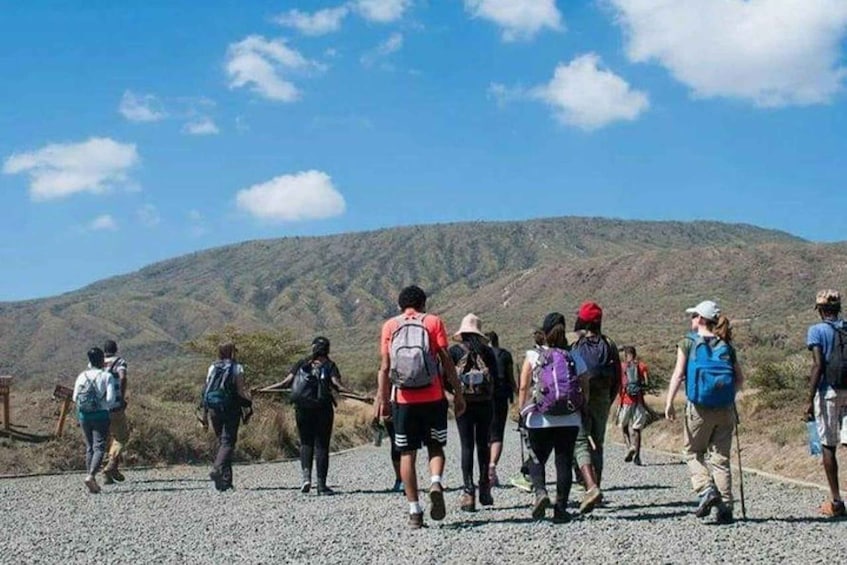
288,198
519,19
391,45
770,52
62,169
103,223
321,22
260,63
589,97
381,11
149,216
203,125
141,107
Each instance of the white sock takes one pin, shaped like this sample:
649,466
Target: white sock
435,479
415,507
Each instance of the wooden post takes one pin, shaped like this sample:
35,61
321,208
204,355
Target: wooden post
64,394
4,392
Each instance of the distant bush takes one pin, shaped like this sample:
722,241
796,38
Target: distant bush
781,384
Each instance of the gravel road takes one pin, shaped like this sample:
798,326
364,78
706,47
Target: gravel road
175,516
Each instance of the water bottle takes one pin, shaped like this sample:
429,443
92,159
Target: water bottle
815,447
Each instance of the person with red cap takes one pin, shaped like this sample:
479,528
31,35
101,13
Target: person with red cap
604,365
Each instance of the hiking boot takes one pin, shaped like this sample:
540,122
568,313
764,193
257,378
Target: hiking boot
324,490
437,510
117,475
539,507
637,460
521,482
560,514
629,455
306,487
107,478
833,509
591,498
467,502
485,497
398,486
218,479
724,515
91,484
708,499
416,521
493,479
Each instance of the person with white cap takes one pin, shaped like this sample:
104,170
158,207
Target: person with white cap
476,367
827,401
709,367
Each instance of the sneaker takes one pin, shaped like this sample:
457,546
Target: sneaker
437,509
724,515
117,475
467,502
539,507
398,486
833,508
324,490
92,485
107,478
218,479
521,482
493,479
561,515
708,499
591,498
416,521
485,498
306,487
629,455
637,460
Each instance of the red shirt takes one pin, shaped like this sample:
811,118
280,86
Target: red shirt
626,399
437,342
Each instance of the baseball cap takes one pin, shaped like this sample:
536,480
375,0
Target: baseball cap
590,312
828,297
707,309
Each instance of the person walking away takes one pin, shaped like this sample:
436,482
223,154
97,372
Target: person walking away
118,426
827,400
315,380
552,395
224,395
414,365
604,365
712,375
504,394
632,410
476,367
522,480
95,393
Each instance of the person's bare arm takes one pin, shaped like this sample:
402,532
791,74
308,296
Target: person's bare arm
449,370
676,382
122,381
382,406
241,387
814,381
523,389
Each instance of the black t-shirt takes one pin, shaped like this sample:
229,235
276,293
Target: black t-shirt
505,369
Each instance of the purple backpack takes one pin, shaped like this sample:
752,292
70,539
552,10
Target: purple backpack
556,389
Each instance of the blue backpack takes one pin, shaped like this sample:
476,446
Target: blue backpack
710,374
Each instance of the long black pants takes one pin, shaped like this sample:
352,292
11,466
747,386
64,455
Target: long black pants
474,431
225,425
542,442
314,425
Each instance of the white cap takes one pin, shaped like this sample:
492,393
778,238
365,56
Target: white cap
707,309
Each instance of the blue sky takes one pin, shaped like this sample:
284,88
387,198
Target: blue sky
134,134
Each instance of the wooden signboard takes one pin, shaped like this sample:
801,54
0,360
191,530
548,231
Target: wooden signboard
65,395
5,380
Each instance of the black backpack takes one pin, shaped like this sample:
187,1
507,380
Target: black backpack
598,355
219,392
835,371
311,386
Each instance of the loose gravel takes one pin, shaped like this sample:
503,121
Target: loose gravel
175,516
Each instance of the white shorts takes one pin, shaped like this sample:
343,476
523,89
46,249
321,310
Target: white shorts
831,417
632,415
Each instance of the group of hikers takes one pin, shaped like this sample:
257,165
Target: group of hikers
566,387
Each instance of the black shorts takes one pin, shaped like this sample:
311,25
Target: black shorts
498,422
417,425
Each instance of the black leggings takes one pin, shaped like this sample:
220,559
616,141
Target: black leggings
498,421
314,426
474,431
542,442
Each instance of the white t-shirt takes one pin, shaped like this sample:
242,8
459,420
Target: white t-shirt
105,384
535,420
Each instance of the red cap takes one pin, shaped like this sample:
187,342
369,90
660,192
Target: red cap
590,312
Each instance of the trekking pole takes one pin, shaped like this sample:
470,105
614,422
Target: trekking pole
740,468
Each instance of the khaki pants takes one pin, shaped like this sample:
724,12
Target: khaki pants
119,430
709,431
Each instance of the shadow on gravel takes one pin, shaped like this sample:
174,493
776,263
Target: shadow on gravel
154,481
164,489
649,517
488,521
260,489
679,504
637,487
793,520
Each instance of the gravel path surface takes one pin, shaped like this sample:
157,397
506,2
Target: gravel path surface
175,516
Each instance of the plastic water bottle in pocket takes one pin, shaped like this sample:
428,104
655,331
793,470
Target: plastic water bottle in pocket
815,447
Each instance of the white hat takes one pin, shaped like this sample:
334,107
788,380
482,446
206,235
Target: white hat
707,309
471,324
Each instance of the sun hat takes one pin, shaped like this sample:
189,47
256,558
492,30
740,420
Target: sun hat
471,324
708,309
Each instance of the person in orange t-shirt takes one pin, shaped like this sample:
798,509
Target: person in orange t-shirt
419,414
632,413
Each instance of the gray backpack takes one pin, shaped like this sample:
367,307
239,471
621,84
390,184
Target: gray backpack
412,362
